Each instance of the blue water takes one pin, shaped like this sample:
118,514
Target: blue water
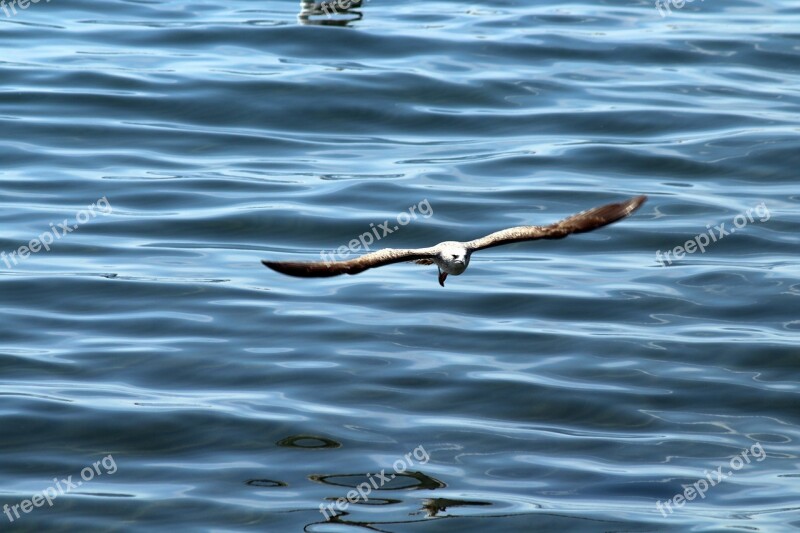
569,385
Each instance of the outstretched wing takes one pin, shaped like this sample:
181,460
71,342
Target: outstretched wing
582,222
326,269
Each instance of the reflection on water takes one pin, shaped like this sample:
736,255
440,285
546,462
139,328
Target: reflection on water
329,13
309,442
268,483
404,481
364,484
434,506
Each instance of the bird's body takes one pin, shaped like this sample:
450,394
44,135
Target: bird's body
452,257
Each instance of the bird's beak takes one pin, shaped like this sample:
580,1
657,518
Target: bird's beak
442,277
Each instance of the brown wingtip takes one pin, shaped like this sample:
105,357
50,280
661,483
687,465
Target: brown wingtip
635,203
620,209
272,264
613,212
442,277
600,216
278,267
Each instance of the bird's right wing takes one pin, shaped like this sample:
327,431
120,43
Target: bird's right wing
582,222
325,269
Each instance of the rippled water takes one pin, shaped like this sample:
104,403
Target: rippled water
558,385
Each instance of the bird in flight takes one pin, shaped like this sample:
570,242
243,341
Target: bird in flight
452,257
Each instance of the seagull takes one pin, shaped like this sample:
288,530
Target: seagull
452,257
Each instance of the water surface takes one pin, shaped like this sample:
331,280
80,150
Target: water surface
561,385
